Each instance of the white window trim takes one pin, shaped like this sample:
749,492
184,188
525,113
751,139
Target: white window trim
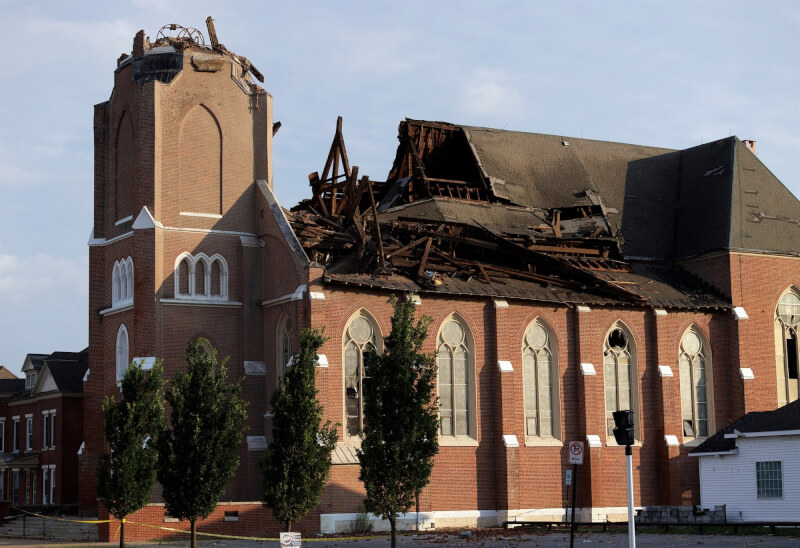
121,366
377,340
29,432
122,276
2,439
555,389
705,350
208,262
456,440
45,430
633,350
783,381
15,432
53,429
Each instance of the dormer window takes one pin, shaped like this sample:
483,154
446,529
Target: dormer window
30,380
200,277
122,283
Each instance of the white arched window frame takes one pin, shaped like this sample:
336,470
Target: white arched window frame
283,346
455,361
194,275
361,334
540,381
621,378
694,365
787,346
123,343
122,283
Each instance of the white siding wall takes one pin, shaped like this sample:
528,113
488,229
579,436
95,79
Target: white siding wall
731,480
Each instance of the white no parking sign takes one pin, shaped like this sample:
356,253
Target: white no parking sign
576,452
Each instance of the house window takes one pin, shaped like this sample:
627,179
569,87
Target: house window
15,486
769,480
454,355
2,445
122,352
28,433
201,277
283,337
16,434
45,485
122,282
52,484
619,366
694,365
45,429
787,352
52,429
540,381
30,380
360,336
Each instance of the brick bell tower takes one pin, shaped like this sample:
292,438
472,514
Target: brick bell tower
174,253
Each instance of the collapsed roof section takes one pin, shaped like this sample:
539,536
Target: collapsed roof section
474,211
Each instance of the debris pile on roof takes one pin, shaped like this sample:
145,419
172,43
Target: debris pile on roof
438,225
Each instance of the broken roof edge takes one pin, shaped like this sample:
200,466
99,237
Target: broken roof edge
283,224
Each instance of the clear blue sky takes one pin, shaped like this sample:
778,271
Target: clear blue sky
671,74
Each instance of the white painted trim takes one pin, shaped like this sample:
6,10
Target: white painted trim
746,373
296,296
594,440
250,241
737,434
416,300
500,303
664,371
660,311
86,375
124,220
100,242
317,296
115,309
505,366
715,453
671,440
587,369
323,360
740,314
188,301
81,448
204,215
145,220
583,308
510,440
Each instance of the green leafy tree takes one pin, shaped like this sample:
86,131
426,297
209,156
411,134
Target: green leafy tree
298,459
126,474
401,417
199,452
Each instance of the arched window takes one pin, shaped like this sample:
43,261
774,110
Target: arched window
283,338
201,277
787,352
540,381
619,366
694,360
122,282
454,356
360,335
122,352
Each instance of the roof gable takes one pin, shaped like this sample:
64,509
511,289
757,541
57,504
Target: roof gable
45,382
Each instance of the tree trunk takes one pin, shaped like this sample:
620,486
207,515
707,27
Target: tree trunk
393,526
288,526
122,533
194,533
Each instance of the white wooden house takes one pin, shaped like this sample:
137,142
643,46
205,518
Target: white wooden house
753,467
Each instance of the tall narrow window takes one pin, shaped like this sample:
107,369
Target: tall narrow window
787,352
2,446
200,287
539,371
122,352
454,361
619,366
15,430
200,277
693,363
45,430
122,282
28,433
182,276
361,335
284,346
52,429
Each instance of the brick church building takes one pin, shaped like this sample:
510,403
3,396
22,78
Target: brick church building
566,278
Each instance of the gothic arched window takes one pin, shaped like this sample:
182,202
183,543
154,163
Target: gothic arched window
619,371
540,381
694,361
787,352
454,360
360,336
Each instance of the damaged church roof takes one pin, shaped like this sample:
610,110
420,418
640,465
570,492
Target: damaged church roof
477,211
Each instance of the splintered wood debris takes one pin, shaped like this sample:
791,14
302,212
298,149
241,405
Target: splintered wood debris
346,226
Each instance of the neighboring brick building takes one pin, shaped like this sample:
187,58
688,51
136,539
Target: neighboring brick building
565,278
41,420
